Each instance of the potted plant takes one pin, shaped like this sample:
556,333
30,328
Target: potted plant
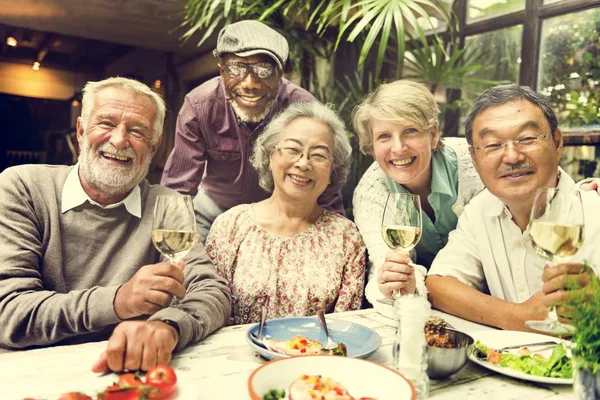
583,306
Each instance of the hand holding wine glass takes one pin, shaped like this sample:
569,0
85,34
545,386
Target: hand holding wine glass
556,228
157,286
174,226
401,230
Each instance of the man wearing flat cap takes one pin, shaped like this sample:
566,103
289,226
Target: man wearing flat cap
221,119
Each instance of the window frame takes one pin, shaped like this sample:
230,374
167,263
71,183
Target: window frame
531,17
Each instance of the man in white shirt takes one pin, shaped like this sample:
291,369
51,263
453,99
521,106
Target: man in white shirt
489,272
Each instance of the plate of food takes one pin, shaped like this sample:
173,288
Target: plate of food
293,336
530,356
333,378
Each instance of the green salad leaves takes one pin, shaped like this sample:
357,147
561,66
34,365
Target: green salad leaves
557,366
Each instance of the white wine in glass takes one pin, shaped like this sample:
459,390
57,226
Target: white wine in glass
402,222
174,227
556,228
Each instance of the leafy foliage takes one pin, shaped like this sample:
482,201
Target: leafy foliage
571,68
584,305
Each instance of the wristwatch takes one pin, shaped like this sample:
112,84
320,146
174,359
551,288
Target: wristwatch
171,323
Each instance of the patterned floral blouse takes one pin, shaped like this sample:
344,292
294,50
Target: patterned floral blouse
322,267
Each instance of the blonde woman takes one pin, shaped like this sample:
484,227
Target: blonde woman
398,125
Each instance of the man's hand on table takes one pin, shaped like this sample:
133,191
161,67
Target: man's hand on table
136,345
151,289
556,280
396,273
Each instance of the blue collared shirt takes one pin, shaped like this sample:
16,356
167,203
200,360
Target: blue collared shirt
73,195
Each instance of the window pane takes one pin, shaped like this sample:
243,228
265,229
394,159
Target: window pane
580,162
498,53
552,1
485,9
570,68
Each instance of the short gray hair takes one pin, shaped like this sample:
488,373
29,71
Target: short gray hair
266,142
502,94
91,88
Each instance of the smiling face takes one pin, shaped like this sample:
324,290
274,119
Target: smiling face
116,148
251,97
513,175
403,152
303,180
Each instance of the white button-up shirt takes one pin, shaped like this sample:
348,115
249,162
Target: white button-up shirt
488,251
74,195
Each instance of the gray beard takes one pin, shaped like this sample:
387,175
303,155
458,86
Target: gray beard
251,118
109,179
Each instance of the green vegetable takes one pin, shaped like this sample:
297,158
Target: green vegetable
274,394
584,311
340,350
557,366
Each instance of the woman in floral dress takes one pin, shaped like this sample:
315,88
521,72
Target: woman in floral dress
286,252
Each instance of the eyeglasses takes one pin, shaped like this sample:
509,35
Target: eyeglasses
496,148
240,70
294,154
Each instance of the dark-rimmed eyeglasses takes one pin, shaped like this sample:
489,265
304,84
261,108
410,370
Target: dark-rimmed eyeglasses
241,70
315,157
495,148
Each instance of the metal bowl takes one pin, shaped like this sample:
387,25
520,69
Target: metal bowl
442,362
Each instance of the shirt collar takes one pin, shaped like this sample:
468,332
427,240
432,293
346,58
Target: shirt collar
440,181
73,195
497,207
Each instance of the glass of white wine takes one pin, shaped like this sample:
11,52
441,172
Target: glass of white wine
556,228
402,222
174,226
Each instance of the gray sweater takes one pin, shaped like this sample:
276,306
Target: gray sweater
59,273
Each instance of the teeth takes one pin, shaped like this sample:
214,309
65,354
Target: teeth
116,157
403,162
249,98
299,179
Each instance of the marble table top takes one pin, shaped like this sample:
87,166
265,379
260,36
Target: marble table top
219,366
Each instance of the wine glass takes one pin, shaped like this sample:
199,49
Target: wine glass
174,226
556,228
401,222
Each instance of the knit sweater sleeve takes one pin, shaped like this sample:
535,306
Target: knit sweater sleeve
206,306
29,313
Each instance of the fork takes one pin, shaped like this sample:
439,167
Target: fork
480,355
331,344
258,337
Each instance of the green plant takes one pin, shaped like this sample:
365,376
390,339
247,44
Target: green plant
370,21
584,309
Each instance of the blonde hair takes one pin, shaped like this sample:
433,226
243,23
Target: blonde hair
91,88
402,102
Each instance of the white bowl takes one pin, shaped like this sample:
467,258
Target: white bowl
361,378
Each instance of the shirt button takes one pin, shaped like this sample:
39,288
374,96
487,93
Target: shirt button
223,158
521,288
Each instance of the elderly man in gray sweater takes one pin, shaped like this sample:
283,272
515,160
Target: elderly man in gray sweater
76,258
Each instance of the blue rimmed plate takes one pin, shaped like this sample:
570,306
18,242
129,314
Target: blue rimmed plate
360,341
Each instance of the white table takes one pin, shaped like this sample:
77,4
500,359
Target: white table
218,368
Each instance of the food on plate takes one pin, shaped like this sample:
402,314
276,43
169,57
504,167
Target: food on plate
436,335
159,383
301,345
312,387
558,365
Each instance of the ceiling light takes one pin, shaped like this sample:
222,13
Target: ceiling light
75,103
36,66
11,41
157,84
